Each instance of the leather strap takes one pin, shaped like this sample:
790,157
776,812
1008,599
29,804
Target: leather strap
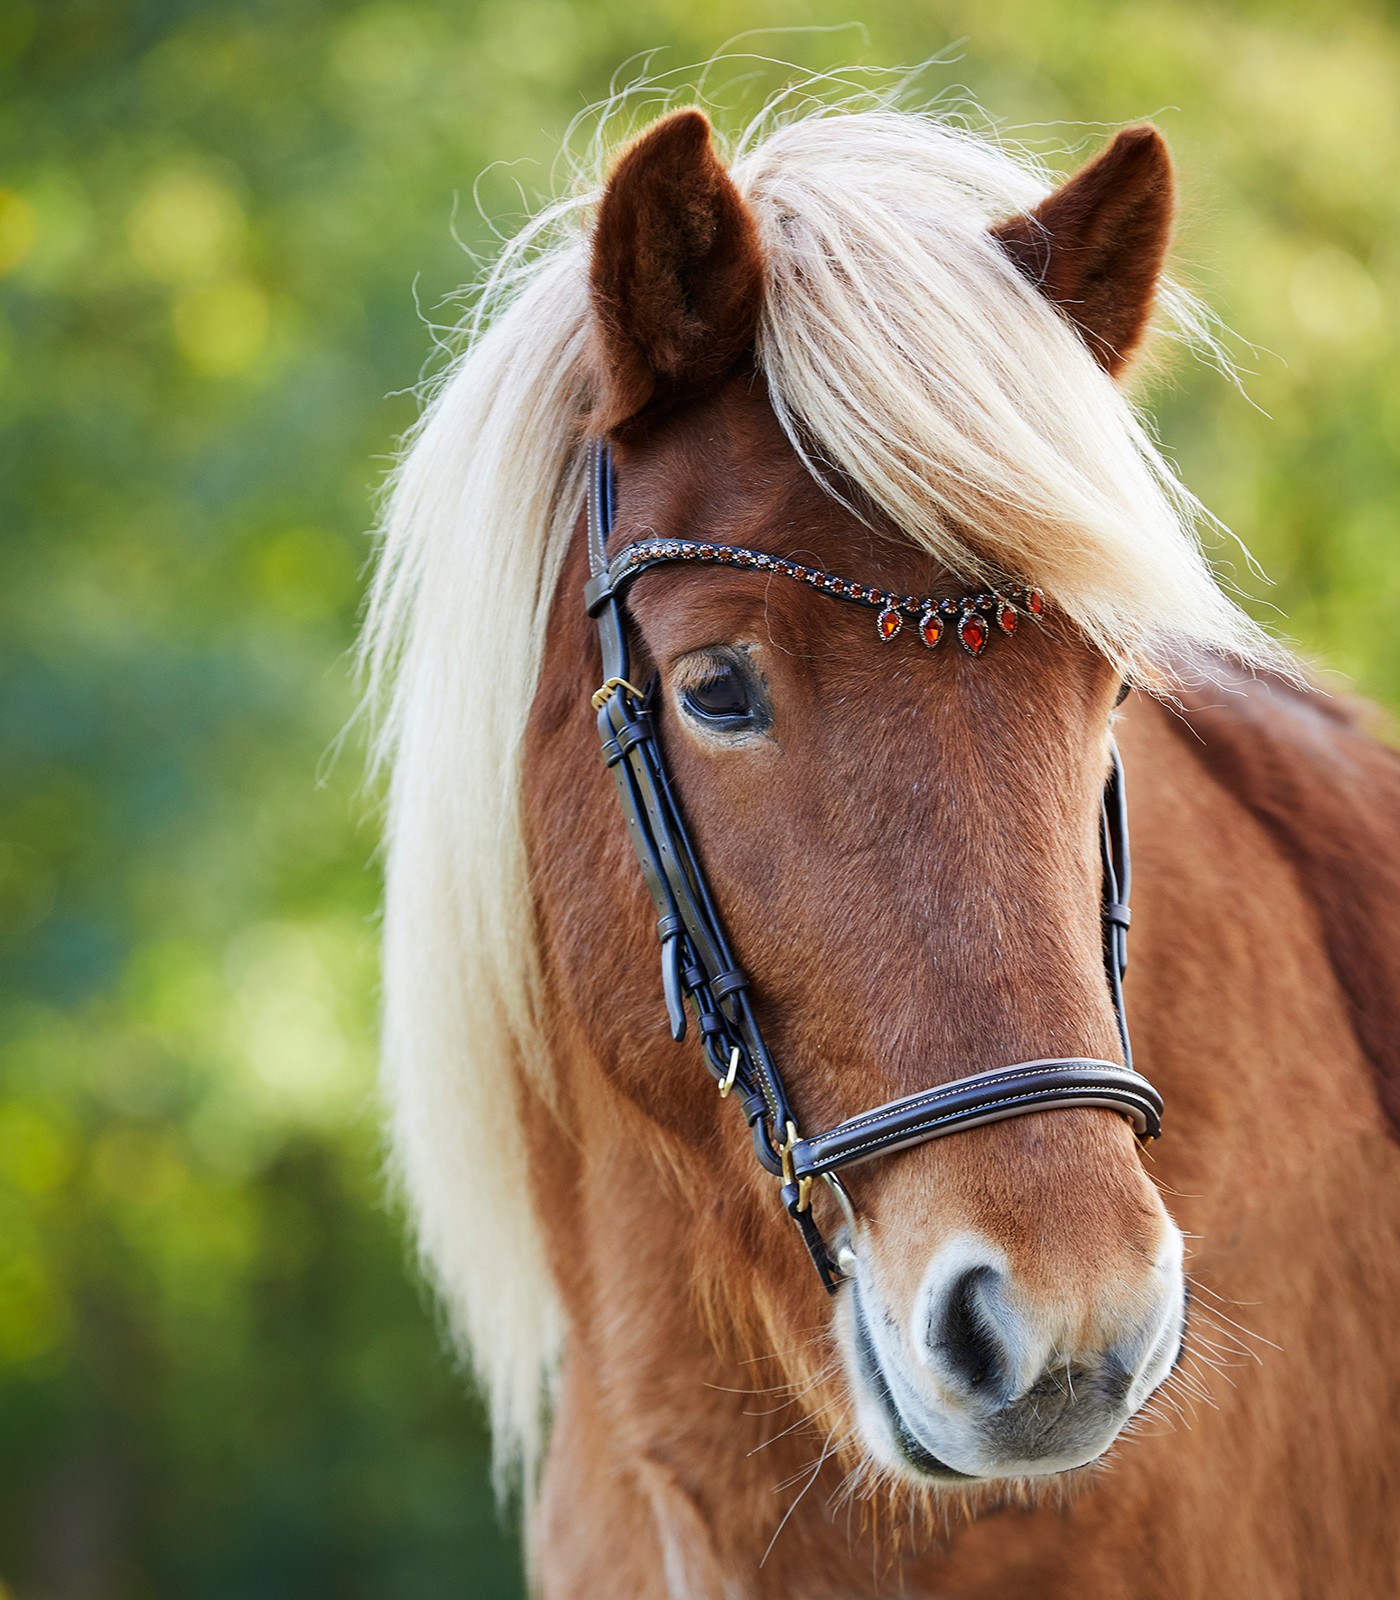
983,1097
699,971
696,962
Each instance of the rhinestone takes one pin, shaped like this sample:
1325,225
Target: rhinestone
973,632
1006,617
889,622
930,627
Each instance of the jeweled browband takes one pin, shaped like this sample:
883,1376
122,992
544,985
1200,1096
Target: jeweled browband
974,616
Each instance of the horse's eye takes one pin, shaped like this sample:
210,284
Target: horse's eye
721,697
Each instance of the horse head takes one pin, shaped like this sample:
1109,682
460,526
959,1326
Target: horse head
861,390
903,842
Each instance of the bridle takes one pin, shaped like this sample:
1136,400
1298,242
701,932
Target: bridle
697,964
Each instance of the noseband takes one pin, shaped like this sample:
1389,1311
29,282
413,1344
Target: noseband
697,966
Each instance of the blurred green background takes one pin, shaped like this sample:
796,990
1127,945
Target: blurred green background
227,234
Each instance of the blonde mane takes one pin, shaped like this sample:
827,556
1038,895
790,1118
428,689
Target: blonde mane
899,347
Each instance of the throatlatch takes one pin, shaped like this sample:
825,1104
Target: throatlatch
699,972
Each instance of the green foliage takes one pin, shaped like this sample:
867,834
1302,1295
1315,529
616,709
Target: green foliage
216,1374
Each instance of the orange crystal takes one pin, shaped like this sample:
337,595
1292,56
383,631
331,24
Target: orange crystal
972,630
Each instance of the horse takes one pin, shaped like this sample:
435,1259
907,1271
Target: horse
885,365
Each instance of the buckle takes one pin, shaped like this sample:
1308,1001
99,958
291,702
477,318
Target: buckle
803,1185
727,1081
600,696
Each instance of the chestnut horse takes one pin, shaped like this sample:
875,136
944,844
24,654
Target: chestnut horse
882,348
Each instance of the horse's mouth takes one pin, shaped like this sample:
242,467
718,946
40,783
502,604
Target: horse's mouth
1052,1429
916,1454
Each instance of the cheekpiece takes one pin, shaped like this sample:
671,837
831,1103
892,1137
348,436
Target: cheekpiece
971,618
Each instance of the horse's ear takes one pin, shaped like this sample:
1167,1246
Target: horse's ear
1095,248
677,273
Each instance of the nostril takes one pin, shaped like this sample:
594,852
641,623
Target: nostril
962,1331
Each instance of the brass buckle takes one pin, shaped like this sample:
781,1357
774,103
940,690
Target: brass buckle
727,1082
600,696
804,1185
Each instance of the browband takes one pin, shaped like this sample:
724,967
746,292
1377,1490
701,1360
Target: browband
976,615
698,967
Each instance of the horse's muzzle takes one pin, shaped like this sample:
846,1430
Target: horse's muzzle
982,1384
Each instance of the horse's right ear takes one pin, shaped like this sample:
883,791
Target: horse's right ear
677,273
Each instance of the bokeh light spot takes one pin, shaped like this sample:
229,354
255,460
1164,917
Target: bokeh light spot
185,226
222,327
1334,297
383,51
16,229
37,1149
137,1163
306,573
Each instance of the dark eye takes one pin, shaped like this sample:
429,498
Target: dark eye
721,697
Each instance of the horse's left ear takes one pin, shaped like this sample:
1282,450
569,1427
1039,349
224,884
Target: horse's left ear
1095,248
676,275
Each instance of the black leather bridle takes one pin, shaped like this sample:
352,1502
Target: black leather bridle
698,966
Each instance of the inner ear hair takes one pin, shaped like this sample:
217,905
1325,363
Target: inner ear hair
1095,248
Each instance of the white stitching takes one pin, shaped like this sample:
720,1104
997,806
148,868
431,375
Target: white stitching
954,1116
931,1097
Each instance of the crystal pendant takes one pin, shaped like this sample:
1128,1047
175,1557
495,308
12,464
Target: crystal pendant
973,632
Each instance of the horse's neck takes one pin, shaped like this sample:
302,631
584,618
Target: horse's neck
667,1473
1305,767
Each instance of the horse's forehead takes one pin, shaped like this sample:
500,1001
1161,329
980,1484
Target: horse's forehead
723,469
734,419
727,455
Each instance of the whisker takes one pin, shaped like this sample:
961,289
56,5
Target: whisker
792,1427
821,1459
1239,1327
